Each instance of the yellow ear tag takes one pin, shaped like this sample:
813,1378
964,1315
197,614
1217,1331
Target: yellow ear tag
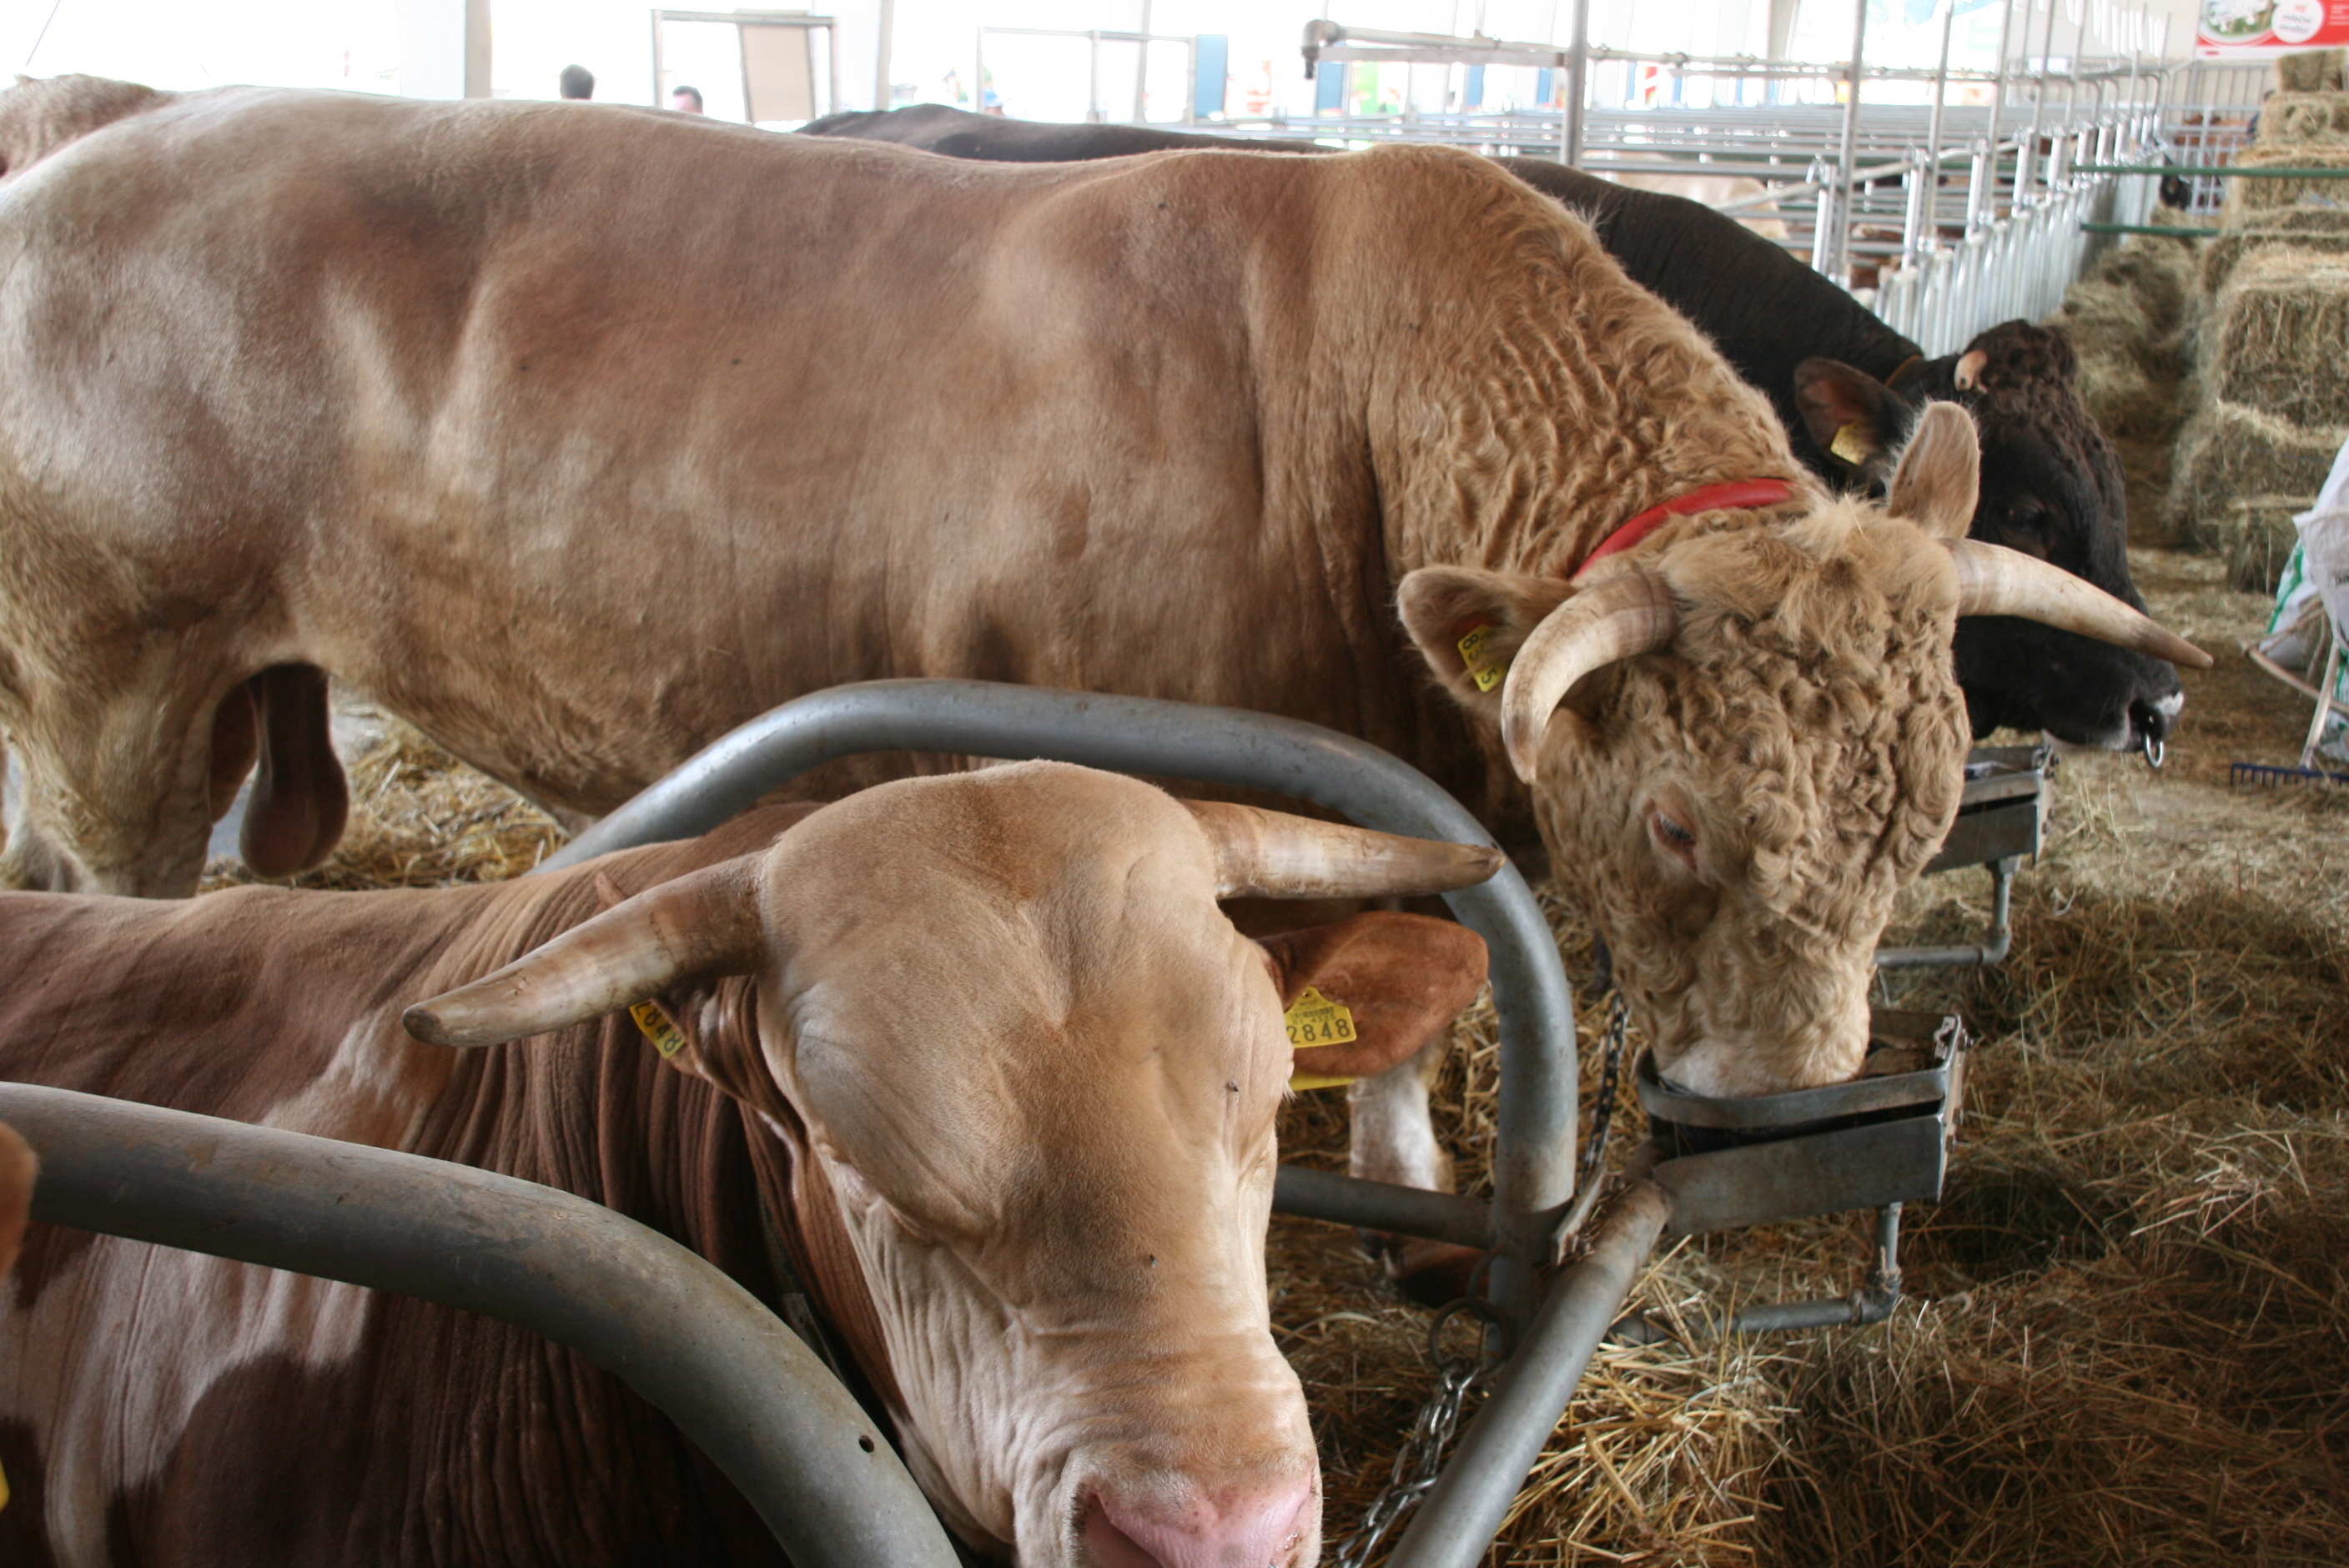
664,1035
1315,1020
1472,649
1851,444
3,1489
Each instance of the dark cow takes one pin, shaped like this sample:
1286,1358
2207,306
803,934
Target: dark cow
1849,388
979,1056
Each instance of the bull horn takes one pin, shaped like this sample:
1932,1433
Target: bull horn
701,924
1995,581
1272,854
1632,613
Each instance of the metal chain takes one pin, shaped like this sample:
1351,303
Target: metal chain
1420,1459
1618,1021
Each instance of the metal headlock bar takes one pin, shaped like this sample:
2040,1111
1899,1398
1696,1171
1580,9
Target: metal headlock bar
1532,1165
660,1317
1875,1142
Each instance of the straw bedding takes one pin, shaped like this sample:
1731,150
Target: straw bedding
2126,1335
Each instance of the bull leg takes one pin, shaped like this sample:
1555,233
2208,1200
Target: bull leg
1391,1138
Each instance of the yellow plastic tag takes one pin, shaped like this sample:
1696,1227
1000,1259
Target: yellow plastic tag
1315,1020
1472,649
664,1035
1851,444
1300,1083
3,1489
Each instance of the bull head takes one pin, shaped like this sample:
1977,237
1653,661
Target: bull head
1744,745
1037,1071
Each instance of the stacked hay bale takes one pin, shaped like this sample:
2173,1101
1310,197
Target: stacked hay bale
2131,321
2275,383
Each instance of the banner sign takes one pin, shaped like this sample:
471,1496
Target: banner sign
2262,29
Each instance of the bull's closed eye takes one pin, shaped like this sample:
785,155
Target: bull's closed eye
1673,834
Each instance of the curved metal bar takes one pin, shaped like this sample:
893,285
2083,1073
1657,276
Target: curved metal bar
1533,1176
661,1318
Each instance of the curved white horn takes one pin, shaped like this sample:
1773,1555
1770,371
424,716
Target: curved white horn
705,924
1632,613
1271,854
1995,581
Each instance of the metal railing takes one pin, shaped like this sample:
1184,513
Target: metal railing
670,1324
1555,1331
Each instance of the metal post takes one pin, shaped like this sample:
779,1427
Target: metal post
664,1320
1533,1161
884,90
1142,68
1847,198
1982,198
1926,216
1577,70
2026,160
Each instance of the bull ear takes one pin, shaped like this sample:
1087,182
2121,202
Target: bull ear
1939,478
1469,625
1850,415
703,924
1391,982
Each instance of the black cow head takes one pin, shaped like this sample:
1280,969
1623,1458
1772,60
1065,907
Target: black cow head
2051,486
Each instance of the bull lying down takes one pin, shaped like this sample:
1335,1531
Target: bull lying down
982,1050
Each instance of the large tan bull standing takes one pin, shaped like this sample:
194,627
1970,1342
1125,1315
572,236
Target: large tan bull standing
577,436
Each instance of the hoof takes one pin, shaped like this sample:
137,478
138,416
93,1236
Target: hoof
1433,1273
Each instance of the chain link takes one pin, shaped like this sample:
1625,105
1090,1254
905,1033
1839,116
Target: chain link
1610,1075
1420,1459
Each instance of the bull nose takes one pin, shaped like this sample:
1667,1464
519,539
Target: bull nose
2150,721
1264,1527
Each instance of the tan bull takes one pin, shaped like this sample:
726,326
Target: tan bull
980,1055
577,436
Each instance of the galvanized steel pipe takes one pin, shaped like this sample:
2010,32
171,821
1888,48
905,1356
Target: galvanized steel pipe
663,1319
1465,1511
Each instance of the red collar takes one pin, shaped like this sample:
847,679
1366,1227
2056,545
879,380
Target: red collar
1712,497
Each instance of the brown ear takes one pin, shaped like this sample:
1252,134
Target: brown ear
1401,979
1850,415
1491,612
300,798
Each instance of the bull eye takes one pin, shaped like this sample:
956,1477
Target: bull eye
1673,833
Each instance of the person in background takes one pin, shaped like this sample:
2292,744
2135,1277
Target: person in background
578,82
684,100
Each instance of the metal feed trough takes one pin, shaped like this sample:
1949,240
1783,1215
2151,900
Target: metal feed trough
739,1382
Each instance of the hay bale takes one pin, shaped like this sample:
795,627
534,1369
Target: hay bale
2227,453
2277,335
2257,539
2312,71
2311,228
2127,320
2304,117
2249,200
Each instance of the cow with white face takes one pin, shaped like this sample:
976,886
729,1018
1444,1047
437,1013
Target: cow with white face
983,1048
